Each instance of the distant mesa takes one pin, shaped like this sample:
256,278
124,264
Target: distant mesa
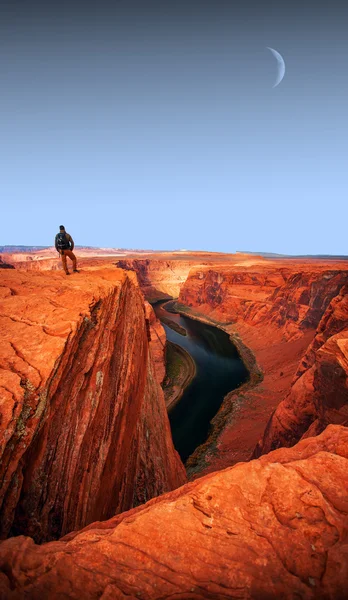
276,255
14,249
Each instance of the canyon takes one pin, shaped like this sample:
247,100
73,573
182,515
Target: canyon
87,457
271,309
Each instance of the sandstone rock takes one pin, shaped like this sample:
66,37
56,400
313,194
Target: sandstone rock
272,528
157,340
48,259
159,278
5,265
84,432
319,394
291,297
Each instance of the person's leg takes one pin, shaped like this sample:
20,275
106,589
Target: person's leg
72,257
65,266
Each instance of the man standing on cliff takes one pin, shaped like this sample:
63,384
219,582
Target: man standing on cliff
64,245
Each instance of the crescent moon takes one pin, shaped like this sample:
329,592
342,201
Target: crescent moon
281,66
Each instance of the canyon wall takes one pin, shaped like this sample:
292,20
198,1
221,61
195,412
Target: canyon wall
157,341
159,278
84,432
319,391
272,528
290,297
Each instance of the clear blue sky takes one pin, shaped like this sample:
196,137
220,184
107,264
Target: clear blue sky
154,124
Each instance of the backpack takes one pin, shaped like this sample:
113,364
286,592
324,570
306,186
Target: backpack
62,242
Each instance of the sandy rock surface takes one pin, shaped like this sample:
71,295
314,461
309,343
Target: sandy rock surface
272,528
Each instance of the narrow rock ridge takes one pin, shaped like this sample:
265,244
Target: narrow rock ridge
84,430
272,528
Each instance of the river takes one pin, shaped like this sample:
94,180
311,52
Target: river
219,370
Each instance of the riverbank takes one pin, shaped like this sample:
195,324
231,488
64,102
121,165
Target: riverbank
180,371
245,411
169,322
174,326
245,353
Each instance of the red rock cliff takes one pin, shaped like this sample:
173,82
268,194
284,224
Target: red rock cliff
84,432
159,278
272,528
319,392
291,297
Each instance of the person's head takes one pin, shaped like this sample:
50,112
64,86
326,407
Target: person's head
61,227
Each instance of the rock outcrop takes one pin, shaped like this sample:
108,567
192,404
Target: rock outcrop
319,392
272,528
84,432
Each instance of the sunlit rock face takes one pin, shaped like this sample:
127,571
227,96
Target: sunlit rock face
84,432
5,265
291,297
319,392
159,278
272,528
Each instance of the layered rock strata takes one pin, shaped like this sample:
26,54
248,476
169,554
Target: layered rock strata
319,392
5,265
84,432
290,297
272,528
159,278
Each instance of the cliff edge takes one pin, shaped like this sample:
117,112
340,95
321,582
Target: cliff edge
272,528
84,432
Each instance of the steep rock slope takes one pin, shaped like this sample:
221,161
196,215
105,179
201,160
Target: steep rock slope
272,528
159,278
319,393
84,432
157,340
